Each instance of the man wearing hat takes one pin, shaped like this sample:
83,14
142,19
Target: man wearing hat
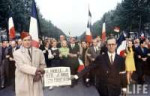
30,64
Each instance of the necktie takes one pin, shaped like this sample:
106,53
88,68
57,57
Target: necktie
29,54
111,59
72,46
95,49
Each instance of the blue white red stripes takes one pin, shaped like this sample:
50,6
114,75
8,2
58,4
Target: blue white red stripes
104,32
122,43
11,28
88,30
33,31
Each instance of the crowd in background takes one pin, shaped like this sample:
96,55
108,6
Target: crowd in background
64,52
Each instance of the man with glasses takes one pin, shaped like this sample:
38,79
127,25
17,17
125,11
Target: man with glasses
110,68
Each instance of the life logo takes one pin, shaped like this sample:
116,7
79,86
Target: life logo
138,90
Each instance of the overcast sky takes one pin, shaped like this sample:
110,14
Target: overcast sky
72,15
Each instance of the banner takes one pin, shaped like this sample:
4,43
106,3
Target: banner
57,76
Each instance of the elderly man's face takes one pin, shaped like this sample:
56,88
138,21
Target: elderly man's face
111,45
13,44
95,42
26,42
62,37
4,44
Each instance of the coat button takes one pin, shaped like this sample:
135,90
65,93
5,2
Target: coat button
107,72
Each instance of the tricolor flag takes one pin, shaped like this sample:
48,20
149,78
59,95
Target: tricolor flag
81,65
88,30
117,29
122,43
33,31
142,35
11,28
104,32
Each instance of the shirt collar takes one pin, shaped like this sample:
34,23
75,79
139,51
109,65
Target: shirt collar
111,53
54,48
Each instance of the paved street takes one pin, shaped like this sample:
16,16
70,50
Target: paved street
78,90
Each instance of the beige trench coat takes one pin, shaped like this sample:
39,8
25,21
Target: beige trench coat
25,71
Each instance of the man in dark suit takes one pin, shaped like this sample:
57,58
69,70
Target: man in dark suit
73,55
13,47
93,51
92,54
110,67
141,58
4,64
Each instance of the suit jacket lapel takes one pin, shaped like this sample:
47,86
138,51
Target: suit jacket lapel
25,53
34,51
115,60
107,60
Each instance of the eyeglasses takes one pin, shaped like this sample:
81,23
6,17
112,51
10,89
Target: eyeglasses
111,44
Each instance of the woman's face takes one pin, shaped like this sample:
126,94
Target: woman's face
54,43
64,43
130,44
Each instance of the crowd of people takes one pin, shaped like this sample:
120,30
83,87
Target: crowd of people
65,52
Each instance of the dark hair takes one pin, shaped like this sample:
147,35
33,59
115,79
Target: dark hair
142,41
4,41
45,43
83,41
128,46
111,38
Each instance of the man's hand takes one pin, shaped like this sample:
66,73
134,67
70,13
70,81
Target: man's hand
7,56
37,78
39,71
74,77
144,59
124,91
11,59
44,51
139,56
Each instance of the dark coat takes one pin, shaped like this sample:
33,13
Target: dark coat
141,65
4,65
55,62
109,80
47,60
12,63
73,61
141,53
93,53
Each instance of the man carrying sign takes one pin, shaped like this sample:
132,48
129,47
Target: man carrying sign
30,64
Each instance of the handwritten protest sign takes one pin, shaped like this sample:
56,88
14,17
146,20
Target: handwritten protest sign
57,76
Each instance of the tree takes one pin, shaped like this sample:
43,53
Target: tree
20,10
129,15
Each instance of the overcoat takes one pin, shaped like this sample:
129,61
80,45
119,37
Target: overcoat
25,72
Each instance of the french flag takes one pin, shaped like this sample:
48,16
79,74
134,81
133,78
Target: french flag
142,35
33,31
104,32
81,65
11,28
88,30
122,43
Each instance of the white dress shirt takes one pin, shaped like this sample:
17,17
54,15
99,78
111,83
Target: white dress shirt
113,56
